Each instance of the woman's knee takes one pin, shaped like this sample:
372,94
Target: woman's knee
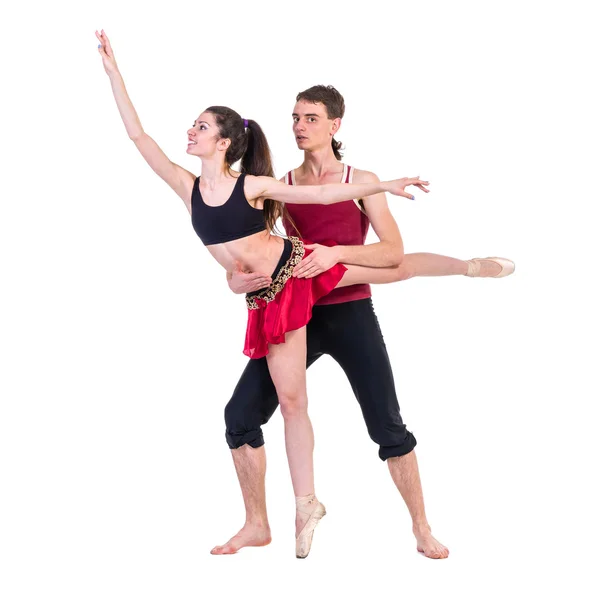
293,405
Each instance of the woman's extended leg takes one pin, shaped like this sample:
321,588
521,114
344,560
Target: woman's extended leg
287,366
424,265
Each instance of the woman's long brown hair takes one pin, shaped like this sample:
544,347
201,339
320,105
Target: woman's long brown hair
251,146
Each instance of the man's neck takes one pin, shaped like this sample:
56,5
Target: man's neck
319,162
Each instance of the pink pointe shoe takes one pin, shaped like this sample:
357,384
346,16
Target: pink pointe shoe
474,267
315,511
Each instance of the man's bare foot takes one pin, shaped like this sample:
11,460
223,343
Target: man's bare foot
248,535
428,545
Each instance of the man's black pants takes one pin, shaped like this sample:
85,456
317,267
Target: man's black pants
349,332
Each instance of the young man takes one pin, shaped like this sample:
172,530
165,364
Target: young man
343,325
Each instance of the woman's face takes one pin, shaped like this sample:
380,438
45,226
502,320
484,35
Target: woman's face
204,137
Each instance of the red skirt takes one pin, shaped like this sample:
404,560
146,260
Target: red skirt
287,303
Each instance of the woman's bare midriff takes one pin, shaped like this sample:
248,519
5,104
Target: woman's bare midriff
257,253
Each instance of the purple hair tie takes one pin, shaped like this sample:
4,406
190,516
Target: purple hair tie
246,123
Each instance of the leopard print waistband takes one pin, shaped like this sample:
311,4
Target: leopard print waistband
284,274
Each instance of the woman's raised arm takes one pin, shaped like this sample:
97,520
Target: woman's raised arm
330,193
178,178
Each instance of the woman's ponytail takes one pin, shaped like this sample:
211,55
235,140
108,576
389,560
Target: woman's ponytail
249,145
257,157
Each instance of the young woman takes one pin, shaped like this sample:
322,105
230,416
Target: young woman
233,213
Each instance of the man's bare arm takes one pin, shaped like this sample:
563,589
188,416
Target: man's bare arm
389,251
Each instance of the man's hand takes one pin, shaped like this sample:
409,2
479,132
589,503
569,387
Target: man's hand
320,259
244,283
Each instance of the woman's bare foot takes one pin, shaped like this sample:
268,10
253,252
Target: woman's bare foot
248,535
428,545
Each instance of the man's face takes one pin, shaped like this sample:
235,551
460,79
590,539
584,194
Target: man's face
312,128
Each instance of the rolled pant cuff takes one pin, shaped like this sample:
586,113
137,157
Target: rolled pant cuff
407,446
237,440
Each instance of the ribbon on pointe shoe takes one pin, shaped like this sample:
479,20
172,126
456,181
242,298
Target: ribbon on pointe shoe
315,511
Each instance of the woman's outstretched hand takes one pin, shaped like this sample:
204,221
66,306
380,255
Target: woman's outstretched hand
397,186
107,54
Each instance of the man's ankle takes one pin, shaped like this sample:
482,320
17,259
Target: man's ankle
257,523
421,527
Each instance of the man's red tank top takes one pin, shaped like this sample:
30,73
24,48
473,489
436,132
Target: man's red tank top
343,223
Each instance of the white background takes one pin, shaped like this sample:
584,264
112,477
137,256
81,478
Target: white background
121,342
